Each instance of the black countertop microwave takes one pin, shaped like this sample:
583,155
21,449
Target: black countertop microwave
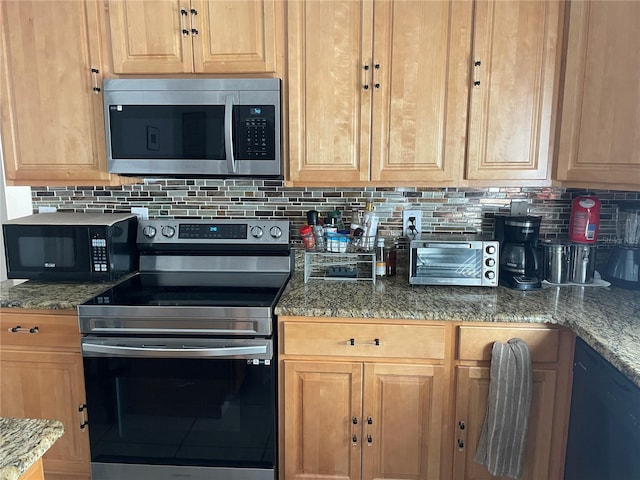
193,127
71,246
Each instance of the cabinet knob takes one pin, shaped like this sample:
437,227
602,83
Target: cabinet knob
369,439
460,445
461,425
369,421
355,420
354,439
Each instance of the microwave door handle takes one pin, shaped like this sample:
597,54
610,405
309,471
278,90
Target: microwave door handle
228,133
447,245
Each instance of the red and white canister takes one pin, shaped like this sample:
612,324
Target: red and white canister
585,219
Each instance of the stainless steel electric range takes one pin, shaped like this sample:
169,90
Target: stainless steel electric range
179,359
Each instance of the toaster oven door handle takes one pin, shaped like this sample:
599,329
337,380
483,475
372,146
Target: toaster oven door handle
446,245
185,351
228,133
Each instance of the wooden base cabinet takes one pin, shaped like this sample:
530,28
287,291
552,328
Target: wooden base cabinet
353,412
551,351
41,376
362,420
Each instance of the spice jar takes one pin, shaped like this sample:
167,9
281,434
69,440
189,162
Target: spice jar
306,232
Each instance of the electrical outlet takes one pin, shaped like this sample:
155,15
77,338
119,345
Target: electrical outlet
141,212
47,209
520,207
411,222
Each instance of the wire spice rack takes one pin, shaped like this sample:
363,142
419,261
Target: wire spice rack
348,266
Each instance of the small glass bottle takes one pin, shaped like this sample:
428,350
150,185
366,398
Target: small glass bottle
381,264
391,259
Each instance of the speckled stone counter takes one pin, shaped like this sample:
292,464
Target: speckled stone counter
23,441
607,318
48,295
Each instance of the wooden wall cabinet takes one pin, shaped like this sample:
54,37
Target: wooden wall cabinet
423,93
371,409
514,89
197,36
52,119
599,141
551,351
376,91
41,376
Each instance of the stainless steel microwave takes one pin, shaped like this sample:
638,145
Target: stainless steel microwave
193,127
464,260
71,246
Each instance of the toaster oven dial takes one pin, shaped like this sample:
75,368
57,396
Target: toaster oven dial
491,249
490,274
168,231
149,231
490,262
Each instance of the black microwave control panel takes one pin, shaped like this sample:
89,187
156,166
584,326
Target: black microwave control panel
99,259
255,132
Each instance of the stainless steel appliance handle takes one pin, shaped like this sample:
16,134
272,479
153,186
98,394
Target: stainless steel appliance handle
184,352
228,133
447,245
154,331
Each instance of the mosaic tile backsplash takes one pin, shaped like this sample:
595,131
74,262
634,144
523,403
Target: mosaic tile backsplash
447,210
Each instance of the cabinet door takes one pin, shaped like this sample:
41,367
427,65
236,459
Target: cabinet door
471,403
46,384
234,36
599,141
420,93
52,120
402,419
153,36
321,439
515,70
329,46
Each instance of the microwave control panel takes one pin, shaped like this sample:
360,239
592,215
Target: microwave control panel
99,261
255,132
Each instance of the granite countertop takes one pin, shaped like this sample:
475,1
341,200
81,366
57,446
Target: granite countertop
23,441
49,295
607,318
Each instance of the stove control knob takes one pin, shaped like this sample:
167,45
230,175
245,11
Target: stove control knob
149,231
275,232
168,231
256,232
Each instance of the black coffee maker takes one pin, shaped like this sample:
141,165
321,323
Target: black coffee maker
520,267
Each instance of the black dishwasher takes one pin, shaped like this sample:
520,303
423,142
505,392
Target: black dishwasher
604,427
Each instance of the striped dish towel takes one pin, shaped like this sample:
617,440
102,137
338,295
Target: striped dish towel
501,445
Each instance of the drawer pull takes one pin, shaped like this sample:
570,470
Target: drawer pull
83,420
461,425
369,421
19,329
375,341
460,445
369,439
354,439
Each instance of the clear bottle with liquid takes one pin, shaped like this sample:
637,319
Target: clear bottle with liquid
381,264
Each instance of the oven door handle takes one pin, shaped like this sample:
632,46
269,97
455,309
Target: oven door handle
184,352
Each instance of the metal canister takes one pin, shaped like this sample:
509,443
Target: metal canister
557,260
583,262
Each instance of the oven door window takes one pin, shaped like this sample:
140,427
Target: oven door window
35,249
167,132
452,263
176,411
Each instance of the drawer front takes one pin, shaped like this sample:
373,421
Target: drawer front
364,340
26,329
476,342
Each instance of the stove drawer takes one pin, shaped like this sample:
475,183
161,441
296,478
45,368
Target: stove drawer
364,340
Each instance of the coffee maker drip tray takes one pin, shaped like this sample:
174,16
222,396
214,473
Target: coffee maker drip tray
522,282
